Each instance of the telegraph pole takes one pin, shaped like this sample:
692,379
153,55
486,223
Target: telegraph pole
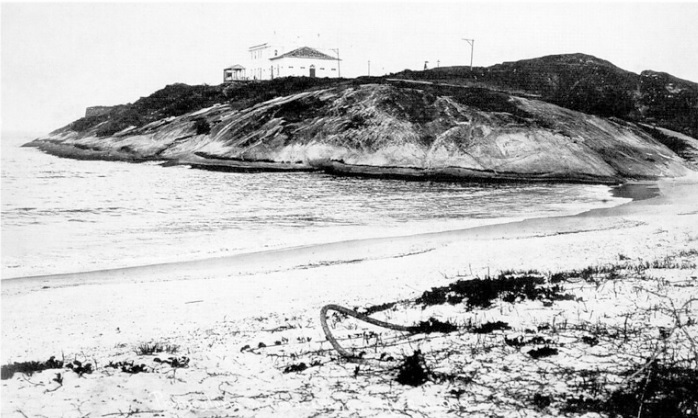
369,68
472,47
339,68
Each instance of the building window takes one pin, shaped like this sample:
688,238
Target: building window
322,68
275,52
334,69
290,66
302,68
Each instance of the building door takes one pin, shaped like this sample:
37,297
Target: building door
312,71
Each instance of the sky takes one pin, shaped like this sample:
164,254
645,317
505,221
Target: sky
59,58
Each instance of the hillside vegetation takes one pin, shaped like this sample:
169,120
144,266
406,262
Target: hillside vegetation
559,118
588,84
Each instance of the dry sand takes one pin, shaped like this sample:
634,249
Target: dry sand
213,308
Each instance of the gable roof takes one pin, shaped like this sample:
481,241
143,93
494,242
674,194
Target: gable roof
235,67
305,52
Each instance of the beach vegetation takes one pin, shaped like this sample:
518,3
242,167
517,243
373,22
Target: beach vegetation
413,370
174,362
521,341
128,367
29,367
434,325
148,349
656,389
370,310
481,293
489,327
541,352
295,368
80,368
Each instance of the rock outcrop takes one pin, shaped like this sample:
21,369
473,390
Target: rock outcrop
390,129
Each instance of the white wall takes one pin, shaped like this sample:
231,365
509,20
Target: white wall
259,66
299,67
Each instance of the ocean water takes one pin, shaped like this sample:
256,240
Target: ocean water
61,215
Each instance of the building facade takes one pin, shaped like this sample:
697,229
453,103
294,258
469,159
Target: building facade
268,62
260,67
304,62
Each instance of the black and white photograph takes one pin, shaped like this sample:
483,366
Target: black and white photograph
349,209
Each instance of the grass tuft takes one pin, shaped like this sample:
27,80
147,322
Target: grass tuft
413,371
148,349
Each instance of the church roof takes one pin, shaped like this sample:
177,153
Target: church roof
305,52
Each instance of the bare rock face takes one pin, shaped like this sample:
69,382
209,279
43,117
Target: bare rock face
392,130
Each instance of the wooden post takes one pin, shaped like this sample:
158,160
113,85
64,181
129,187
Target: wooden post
472,48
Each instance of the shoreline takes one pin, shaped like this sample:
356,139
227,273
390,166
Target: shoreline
71,265
637,191
245,334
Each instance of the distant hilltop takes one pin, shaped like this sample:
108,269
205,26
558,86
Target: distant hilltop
557,118
587,84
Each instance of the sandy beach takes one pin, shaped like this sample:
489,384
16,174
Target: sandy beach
241,321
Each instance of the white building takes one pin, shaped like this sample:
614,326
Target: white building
268,62
234,73
260,67
305,61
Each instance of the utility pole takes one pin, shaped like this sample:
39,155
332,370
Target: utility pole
472,47
339,68
369,68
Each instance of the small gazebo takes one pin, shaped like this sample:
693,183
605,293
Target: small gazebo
234,73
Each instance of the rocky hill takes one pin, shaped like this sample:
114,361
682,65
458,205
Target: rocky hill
411,126
588,84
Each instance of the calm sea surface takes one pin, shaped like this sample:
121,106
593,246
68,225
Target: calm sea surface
61,215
